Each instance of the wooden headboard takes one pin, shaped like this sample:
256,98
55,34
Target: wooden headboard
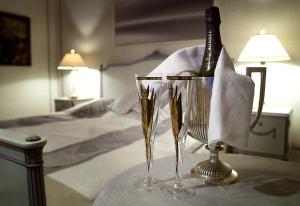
119,78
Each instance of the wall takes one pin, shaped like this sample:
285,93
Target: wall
127,74
91,31
27,90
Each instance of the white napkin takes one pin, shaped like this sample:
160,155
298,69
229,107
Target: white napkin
184,60
232,95
231,105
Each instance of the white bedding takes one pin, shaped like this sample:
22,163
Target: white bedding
64,133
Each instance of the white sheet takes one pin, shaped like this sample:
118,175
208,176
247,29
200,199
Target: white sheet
64,133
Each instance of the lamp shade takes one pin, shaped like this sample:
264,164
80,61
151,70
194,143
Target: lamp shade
72,61
263,48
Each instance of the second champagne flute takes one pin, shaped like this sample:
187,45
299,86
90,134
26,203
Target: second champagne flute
149,86
177,103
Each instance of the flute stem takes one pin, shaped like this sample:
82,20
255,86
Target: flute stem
179,158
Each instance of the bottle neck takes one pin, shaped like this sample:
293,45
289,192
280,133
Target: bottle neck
212,49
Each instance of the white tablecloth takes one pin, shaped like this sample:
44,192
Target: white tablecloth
262,181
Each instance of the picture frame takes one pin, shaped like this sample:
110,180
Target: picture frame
15,48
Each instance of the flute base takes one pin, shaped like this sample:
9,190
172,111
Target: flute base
214,171
148,184
175,191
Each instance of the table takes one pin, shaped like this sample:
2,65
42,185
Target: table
262,181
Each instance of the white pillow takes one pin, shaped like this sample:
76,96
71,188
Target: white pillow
92,108
124,103
129,102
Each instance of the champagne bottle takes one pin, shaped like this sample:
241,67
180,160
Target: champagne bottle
213,43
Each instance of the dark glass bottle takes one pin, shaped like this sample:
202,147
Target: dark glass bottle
213,43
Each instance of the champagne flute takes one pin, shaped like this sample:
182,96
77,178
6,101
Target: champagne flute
149,86
177,103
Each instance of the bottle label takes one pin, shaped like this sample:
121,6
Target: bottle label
213,42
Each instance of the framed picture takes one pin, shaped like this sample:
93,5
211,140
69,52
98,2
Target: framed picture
141,21
14,40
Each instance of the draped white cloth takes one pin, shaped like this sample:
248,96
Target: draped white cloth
232,95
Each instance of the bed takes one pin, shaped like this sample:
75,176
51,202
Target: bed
91,143
87,146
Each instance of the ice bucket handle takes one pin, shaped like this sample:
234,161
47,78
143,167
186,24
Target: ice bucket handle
262,71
